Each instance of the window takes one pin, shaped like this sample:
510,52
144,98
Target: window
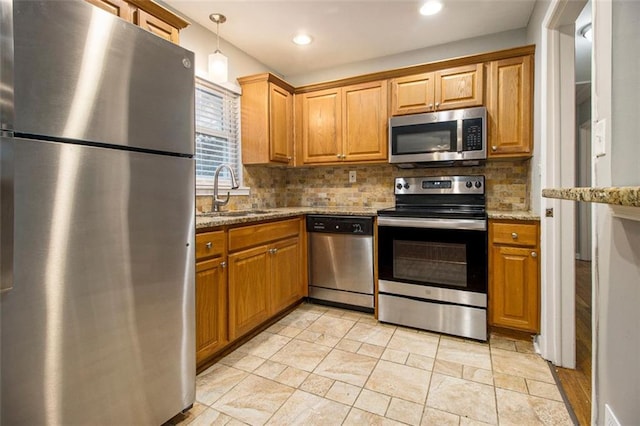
217,134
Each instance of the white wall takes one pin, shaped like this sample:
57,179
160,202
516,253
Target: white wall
617,241
488,43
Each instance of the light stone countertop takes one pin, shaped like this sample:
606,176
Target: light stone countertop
512,215
621,195
212,220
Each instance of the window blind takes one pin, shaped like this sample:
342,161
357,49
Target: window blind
217,134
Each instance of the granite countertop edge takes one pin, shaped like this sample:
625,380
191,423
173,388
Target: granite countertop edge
621,195
204,221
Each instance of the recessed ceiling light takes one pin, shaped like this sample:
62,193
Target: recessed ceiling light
302,39
430,8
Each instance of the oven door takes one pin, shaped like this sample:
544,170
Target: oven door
446,258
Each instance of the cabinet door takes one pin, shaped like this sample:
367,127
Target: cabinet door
459,87
157,26
285,274
249,276
280,124
513,289
321,126
119,8
211,308
509,108
412,94
364,109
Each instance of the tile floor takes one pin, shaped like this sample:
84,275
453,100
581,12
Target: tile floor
327,366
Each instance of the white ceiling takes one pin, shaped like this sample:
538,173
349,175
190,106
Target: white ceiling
347,31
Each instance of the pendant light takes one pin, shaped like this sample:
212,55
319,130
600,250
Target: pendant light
217,61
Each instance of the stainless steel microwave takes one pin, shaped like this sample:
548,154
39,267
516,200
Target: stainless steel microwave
455,137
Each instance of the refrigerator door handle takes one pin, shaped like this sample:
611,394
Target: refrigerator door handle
6,214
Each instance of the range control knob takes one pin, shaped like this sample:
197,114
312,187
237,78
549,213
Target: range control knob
478,184
468,184
406,186
399,186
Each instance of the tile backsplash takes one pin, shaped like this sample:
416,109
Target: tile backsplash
507,185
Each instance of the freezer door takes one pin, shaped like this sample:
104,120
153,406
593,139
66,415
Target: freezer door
98,324
81,73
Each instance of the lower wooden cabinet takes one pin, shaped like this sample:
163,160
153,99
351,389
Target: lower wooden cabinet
514,275
285,274
211,308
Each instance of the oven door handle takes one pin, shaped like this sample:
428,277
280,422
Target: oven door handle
435,223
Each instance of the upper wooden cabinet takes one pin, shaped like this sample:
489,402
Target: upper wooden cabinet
509,107
345,124
267,120
451,88
146,14
514,275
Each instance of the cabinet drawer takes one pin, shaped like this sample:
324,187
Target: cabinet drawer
210,244
516,234
253,235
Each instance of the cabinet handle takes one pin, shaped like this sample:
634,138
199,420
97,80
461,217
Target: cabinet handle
344,156
209,245
514,235
223,264
534,254
430,106
338,155
494,148
273,251
289,158
437,105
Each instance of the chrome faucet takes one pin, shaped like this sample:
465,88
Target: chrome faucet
234,185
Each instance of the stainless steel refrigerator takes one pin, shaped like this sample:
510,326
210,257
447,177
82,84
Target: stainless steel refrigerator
97,218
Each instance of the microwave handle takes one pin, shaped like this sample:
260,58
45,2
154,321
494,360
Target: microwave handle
459,136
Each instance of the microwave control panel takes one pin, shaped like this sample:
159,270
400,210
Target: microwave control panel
472,134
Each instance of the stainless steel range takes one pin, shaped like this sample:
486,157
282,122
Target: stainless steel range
432,256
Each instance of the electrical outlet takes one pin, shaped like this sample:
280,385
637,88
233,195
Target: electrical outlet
600,137
352,176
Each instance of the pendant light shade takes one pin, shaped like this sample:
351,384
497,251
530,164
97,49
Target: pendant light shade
218,63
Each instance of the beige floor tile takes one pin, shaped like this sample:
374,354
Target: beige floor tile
358,417
292,377
405,411
270,369
524,347
520,409
254,400
412,342
479,375
421,362
462,397
235,422
356,316
312,307
275,328
188,416
333,326
373,402
334,312
306,409
394,355
529,366
217,381
346,367
400,381
506,381
319,338
369,320
299,354
544,390
465,421
473,354
348,345
264,345
433,417
242,361
371,350
317,385
300,318
289,331
499,342
210,417
446,367
371,334
343,393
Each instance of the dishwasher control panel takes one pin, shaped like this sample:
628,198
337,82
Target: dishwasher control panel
357,225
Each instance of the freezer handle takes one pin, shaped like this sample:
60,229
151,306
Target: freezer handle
6,214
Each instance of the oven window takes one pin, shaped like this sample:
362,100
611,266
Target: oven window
437,262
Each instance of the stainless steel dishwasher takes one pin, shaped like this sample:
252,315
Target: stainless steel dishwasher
341,260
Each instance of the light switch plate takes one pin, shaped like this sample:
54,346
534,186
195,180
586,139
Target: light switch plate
352,176
600,138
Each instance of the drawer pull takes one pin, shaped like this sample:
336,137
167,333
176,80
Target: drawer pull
534,254
223,264
494,148
514,235
209,245
273,251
